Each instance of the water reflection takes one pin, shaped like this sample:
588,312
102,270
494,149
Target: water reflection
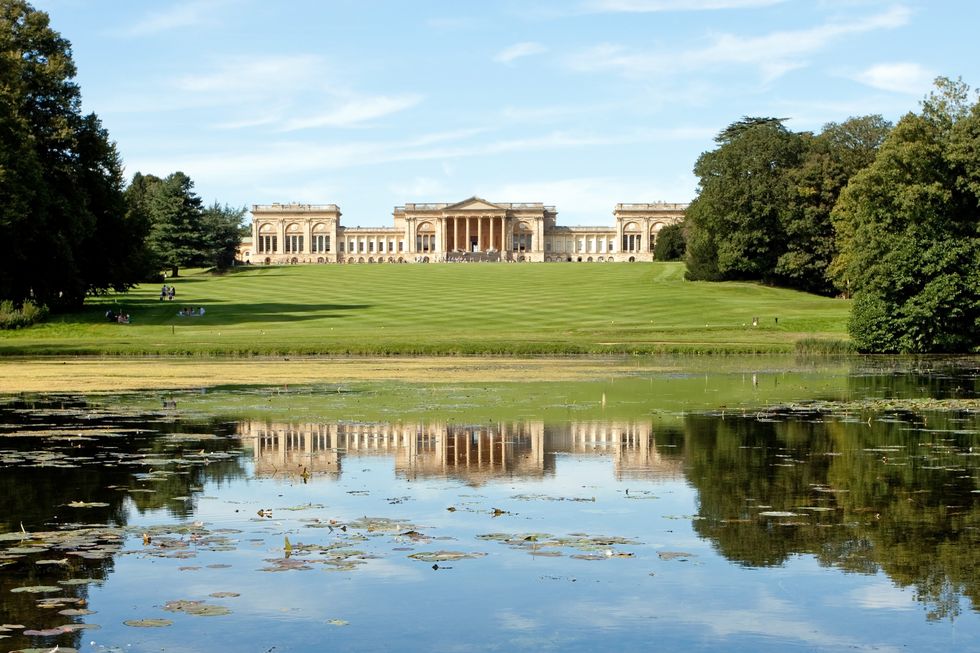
473,453
90,497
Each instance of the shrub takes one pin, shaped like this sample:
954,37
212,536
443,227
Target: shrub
29,313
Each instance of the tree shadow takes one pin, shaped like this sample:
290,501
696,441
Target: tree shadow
239,313
164,313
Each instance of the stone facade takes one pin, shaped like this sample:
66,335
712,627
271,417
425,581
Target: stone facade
471,230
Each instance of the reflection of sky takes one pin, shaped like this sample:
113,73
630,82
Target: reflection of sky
507,600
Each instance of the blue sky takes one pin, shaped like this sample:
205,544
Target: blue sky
576,103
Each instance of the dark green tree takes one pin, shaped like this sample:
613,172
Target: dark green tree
223,229
735,225
907,228
60,187
670,244
832,158
178,237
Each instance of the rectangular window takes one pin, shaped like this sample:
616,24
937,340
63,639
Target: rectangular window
401,245
340,246
326,244
370,245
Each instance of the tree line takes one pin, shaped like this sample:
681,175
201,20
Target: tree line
886,214
70,224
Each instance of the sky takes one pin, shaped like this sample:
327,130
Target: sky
581,104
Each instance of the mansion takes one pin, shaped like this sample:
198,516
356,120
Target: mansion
471,230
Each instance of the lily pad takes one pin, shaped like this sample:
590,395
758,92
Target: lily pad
147,623
445,556
196,608
37,589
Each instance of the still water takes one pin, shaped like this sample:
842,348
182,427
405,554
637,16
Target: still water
814,526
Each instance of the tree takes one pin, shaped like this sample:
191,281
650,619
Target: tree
735,224
181,232
223,230
831,159
670,244
60,187
908,234
177,236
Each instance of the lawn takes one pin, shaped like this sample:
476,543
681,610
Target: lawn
442,309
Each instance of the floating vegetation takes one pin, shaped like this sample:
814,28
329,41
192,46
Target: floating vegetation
445,556
37,589
595,547
196,608
545,497
147,623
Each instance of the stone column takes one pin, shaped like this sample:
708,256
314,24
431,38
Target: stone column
467,246
491,232
280,237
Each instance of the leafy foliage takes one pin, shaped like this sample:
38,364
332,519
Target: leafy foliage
670,244
735,223
15,318
61,188
181,231
763,211
908,233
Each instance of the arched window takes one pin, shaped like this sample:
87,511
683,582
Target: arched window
321,238
523,237
632,237
294,239
425,238
267,238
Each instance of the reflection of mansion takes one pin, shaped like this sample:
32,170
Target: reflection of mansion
473,453
471,230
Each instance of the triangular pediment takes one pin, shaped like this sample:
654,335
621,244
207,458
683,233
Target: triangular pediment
474,204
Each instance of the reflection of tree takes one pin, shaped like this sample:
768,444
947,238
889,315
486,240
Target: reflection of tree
940,378
68,452
863,495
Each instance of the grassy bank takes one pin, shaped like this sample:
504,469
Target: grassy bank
442,309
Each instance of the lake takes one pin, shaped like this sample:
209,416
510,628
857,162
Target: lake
739,505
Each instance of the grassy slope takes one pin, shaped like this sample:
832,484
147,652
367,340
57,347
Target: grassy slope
441,309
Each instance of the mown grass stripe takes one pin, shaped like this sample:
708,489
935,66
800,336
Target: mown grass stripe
443,309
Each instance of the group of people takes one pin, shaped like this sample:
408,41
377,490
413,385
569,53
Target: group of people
120,318
190,311
168,293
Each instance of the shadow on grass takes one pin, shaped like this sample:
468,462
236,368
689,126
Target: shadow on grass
155,312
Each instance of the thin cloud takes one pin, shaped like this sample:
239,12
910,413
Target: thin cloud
911,78
519,50
773,54
180,16
303,156
354,112
650,6
254,75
